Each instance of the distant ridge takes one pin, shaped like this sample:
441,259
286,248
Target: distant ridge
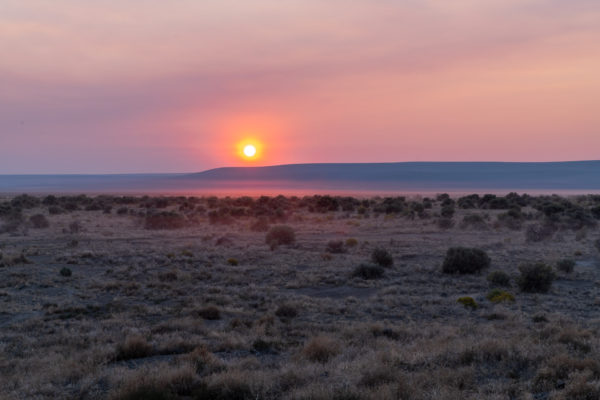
540,177
419,175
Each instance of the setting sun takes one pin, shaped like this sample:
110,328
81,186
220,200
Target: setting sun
249,151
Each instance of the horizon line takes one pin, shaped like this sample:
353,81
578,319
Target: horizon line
296,164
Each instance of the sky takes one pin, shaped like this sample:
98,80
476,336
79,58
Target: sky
132,86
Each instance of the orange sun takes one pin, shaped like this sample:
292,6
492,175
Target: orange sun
250,149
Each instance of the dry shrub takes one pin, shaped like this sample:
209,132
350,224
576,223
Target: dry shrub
260,225
162,384
445,223
576,339
567,265
535,278
204,361
560,367
225,386
210,313
320,349
39,221
582,388
351,242
498,278
381,256
280,235
473,221
134,346
366,271
377,376
465,260
539,232
164,220
335,246
286,311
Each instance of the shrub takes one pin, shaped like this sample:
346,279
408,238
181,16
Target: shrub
320,349
74,227
335,246
66,272
146,392
230,389
498,278
232,261
210,313
54,210
133,347
566,265
445,223
539,232
280,235
464,260
447,211
165,220
468,302
286,311
260,225
39,221
366,271
381,256
498,296
475,221
351,242
535,277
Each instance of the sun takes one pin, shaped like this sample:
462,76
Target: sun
249,150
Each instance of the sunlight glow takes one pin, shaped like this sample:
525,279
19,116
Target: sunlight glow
249,150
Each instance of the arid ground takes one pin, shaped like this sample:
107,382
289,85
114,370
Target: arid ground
299,298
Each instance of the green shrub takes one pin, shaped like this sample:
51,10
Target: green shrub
566,265
468,302
366,271
465,260
280,235
499,296
498,278
535,277
232,261
66,272
381,256
351,242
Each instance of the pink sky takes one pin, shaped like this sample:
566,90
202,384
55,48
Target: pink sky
154,86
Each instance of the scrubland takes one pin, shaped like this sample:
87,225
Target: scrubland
477,297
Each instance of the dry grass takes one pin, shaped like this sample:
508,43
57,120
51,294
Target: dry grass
164,312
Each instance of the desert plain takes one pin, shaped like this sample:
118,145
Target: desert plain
314,297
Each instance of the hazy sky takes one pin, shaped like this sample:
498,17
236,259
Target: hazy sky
174,86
